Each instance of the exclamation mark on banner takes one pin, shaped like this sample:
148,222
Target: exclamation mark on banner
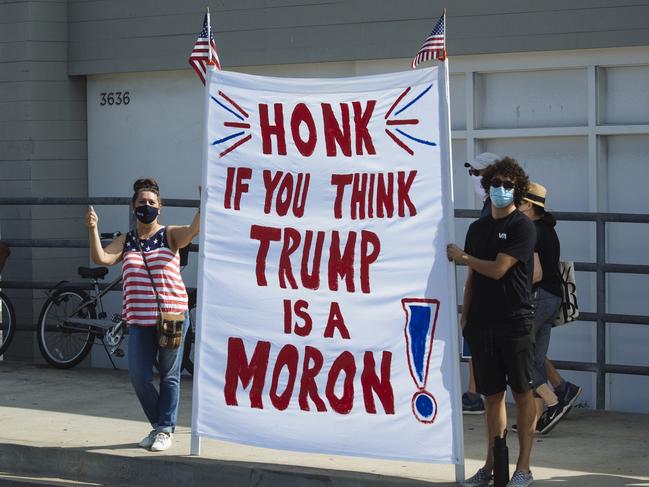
421,318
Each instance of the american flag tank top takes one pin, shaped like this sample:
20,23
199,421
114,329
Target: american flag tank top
140,306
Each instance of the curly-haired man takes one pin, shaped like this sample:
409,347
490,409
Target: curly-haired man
497,312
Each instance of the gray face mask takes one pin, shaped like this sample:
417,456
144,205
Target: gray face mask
477,187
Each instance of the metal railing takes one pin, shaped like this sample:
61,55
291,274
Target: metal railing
600,367
72,243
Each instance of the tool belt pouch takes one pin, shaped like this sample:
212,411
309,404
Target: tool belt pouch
170,330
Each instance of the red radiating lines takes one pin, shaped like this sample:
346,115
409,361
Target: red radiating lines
405,92
241,125
234,146
409,121
399,143
234,104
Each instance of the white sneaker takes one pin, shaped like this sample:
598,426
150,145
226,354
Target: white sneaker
162,441
148,440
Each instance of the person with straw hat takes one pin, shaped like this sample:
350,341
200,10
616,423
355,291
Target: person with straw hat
547,299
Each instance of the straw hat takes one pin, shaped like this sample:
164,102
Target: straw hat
483,160
536,194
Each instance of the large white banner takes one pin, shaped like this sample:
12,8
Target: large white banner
327,320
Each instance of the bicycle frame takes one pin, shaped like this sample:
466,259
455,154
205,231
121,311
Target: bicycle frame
97,326
110,332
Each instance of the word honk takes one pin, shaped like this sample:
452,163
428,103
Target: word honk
335,130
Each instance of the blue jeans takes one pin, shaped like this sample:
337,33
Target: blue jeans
160,408
546,308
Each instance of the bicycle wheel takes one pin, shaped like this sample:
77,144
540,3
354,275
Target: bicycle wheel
7,322
188,352
63,345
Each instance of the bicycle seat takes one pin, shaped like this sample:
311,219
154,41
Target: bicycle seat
93,272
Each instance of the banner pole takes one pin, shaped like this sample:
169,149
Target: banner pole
195,446
456,393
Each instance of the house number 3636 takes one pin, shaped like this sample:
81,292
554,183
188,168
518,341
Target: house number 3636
114,98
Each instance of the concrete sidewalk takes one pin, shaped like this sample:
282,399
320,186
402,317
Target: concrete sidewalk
80,427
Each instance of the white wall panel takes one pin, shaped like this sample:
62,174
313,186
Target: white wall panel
458,102
558,163
627,159
549,98
624,95
462,192
629,344
628,294
627,243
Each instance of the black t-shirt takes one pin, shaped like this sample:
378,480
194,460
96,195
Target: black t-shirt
549,250
510,297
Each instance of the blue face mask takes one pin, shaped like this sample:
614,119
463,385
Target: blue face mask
501,197
146,214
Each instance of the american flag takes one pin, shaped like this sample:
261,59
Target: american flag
434,47
202,55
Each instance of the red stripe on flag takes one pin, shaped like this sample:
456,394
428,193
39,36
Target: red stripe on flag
196,64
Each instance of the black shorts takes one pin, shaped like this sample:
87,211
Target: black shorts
502,354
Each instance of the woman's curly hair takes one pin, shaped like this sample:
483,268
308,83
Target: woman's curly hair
509,168
146,184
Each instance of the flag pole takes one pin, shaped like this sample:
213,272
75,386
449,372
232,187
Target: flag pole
195,441
209,38
456,393
445,31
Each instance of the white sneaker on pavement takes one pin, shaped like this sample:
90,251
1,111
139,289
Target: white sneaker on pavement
148,440
162,441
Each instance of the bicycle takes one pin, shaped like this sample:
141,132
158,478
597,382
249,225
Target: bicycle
7,322
71,321
7,315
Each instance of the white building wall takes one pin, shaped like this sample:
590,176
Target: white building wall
578,121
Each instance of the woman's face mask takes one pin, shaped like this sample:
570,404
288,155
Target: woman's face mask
146,214
148,207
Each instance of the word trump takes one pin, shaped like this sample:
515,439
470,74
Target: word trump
341,260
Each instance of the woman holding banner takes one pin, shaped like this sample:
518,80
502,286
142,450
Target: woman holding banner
154,305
